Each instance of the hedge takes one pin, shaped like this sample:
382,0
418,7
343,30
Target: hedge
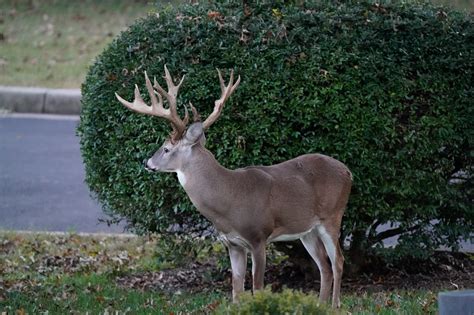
386,89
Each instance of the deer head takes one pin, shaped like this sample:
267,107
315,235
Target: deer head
176,149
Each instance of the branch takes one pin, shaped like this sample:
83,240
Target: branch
373,227
393,232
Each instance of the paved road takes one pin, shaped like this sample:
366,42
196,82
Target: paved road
42,177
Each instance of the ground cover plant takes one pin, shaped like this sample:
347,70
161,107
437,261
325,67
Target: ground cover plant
76,274
386,89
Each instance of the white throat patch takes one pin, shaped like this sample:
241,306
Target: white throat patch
181,178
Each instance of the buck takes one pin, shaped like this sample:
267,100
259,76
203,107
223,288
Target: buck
303,198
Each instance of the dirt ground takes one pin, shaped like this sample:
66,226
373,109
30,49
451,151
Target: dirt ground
444,271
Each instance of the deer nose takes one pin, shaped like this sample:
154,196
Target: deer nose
145,164
149,165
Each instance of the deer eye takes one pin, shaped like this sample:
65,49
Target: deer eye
166,150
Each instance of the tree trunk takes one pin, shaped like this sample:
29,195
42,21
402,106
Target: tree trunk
357,255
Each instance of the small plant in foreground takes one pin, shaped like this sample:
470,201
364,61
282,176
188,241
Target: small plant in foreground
285,302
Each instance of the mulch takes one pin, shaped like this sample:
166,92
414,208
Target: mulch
443,271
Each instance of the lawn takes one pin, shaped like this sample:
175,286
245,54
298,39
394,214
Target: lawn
51,43
71,273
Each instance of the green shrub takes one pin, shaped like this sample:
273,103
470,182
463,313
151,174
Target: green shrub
386,89
266,302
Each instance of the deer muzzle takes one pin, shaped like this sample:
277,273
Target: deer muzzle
148,164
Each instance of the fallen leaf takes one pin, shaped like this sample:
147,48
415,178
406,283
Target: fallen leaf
214,15
213,306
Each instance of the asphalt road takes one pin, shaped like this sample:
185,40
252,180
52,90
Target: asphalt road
42,177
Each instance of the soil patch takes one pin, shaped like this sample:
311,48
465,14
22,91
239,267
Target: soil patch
444,271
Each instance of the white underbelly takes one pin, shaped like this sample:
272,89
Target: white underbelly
288,237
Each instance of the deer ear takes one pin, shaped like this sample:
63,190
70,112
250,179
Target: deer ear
194,133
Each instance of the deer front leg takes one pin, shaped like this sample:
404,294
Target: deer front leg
258,266
238,262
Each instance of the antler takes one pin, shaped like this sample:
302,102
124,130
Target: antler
171,113
226,92
156,108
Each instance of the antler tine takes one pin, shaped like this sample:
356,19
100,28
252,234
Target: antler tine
171,95
226,92
156,108
170,82
172,92
229,89
186,116
138,99
221,80
172,88
156,104
196,116
138,105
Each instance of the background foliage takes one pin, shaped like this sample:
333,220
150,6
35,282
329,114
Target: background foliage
387,89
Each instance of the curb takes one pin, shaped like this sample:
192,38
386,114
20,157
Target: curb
40,100
59,233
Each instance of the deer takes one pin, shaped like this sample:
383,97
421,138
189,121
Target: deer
303,198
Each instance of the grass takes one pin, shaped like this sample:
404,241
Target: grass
385,303
77,274
467,5
51,43
97,295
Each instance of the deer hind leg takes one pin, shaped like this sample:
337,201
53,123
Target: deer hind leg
330,239
315,247
258,266
238,262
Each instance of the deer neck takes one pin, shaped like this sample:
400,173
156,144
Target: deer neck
200,170
207,184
